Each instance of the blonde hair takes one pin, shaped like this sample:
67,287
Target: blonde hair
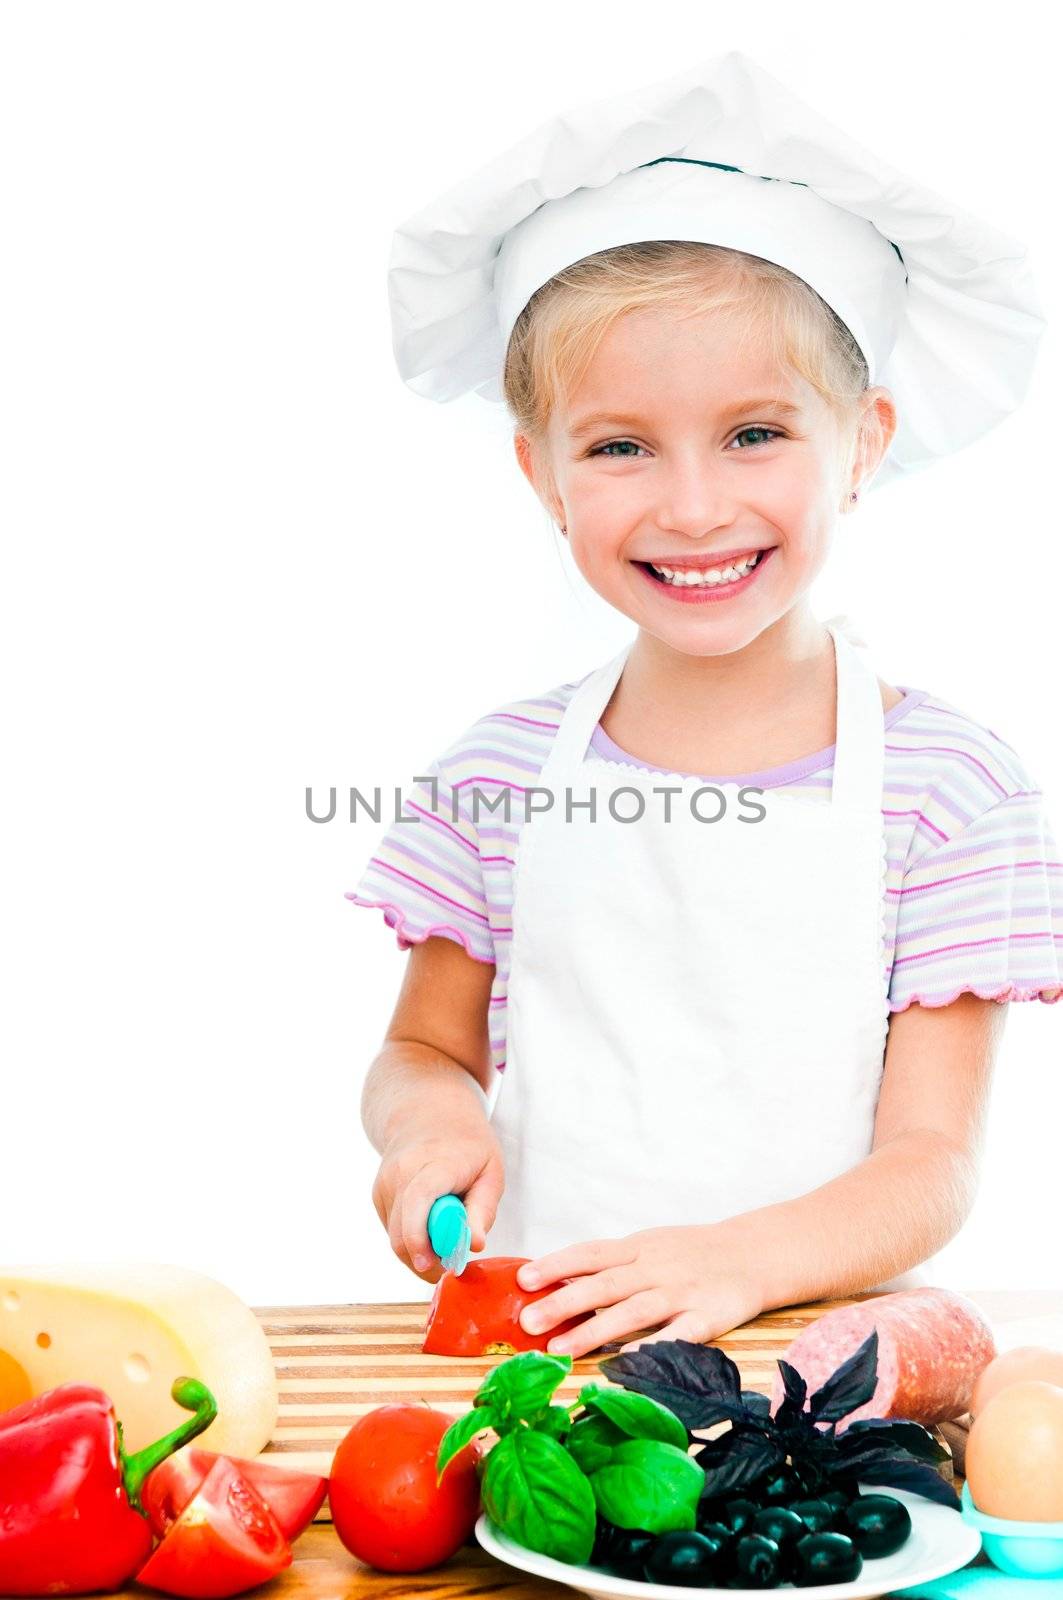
559,330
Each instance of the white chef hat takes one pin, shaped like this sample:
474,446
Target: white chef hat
942,305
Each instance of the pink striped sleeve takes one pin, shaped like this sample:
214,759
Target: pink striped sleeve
982,912
425,874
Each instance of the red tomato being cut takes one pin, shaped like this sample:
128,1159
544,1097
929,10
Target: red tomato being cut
225,1540
293,1497
478,1313
386,1506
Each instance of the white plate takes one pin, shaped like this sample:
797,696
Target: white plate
939,1543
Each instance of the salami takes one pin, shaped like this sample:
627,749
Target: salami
932,1345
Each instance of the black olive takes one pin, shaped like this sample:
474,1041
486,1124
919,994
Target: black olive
754,1563
782,1488
718,1535
682,1557
622,1550
781,1525
710,1508
876,1523
604,1534
738,1515
839,1497
817,1515
603,1531
825,1558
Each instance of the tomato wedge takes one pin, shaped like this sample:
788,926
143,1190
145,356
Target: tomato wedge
225,1540
478,1313
293,1497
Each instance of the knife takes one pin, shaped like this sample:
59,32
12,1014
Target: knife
449,1232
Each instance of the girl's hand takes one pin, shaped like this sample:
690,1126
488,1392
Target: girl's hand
418,1166
696,1280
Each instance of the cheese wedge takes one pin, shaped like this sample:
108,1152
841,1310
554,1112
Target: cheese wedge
132,1330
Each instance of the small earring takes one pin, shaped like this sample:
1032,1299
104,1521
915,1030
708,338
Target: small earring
855,495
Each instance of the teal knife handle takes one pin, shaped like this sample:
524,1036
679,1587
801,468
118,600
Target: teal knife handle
446,1223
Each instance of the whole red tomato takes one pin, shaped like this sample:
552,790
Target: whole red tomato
478,1313
386,1507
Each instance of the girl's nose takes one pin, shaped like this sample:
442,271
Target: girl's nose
693,498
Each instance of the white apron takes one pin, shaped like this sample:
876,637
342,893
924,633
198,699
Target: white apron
697,1009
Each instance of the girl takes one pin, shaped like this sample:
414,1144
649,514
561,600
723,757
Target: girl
707,947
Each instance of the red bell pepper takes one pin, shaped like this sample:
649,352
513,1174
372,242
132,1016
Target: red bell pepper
478,1312
70,1516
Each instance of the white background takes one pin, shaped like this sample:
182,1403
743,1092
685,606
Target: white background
240,557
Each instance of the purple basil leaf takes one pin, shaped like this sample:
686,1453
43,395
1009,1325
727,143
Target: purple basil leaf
736,1460
851,1386
756,1404
911,1438
714,1411
793,1383
791,1406
901,1472
691,1379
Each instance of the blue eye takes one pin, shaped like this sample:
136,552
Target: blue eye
602,448
767,435
770,434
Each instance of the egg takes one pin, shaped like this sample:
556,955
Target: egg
1014,1458
1014,1366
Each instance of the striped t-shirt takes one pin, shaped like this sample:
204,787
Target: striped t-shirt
974,885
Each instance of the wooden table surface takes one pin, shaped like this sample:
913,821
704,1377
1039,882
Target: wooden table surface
335,1363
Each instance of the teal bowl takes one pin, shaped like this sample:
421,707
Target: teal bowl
1025,1549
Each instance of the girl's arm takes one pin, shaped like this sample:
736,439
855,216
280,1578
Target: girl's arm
876,1221
437,1045
424,1102
870,1224
908,1198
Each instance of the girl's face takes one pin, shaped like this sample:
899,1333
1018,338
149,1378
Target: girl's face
683,448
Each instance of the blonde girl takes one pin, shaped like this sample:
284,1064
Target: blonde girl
708,947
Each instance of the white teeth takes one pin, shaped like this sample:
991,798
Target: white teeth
688,577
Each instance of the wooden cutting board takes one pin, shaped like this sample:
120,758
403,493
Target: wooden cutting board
335,1363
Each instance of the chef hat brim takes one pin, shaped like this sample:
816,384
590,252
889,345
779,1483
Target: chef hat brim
963,335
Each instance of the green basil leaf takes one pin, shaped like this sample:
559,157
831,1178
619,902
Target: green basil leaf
554,1421
534,1491
636,1414
649,1484
458,1435
523,1385
593,1440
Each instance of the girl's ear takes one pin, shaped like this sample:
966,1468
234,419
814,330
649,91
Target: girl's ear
522,451
539,481
877,427
522,447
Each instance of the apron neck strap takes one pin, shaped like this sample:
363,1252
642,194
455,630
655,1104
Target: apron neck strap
579,721
859,759
860,750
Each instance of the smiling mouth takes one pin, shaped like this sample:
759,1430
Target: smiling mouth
686,576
